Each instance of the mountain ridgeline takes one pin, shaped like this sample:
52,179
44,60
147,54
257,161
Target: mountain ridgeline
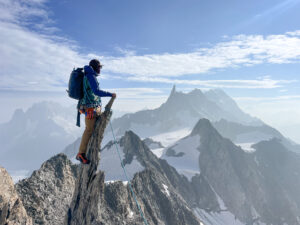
231,186
42,131
46,128
183,110
229,169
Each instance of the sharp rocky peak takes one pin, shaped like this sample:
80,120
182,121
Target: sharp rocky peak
18,117
194,93
173,89
204,127
133,147
57,164
47,193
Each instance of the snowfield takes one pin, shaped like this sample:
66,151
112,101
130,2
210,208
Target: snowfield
111,165
187,161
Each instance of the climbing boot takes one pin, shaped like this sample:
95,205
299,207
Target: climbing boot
82,158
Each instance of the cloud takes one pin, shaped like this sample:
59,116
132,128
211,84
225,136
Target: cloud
140,93
23,12
29,58
135,99
264,82
268,99
40,60
241,50
33,60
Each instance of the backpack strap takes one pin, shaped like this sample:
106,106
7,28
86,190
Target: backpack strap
78,114
78,119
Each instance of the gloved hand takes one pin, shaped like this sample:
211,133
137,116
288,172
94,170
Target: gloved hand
114,95
89,113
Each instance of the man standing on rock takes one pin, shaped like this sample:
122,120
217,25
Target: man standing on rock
90,104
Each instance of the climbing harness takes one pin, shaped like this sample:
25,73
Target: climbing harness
140,210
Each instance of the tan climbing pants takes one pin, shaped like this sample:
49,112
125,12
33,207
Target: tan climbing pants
89,128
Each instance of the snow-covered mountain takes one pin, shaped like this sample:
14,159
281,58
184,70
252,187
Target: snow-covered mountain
226,103
203,178
32,137
216,180
258,187
246,136
220,181
181,111
175,119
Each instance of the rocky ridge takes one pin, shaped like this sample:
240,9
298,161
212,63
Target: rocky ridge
238,133
47,193
180,194
257,188
12,211
96,203
43,131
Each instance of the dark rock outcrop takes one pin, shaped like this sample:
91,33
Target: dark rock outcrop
263,184
48,192
182,192
89,188
159,201
152,144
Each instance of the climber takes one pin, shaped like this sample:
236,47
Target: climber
90,105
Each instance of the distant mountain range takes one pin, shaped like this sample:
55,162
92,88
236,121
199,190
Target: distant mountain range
245,135
233,169
32,137
171,121
47,128
182,110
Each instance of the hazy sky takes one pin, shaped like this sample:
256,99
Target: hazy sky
250,49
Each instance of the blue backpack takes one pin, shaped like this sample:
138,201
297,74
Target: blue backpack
76,84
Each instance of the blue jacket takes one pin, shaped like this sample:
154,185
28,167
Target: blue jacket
90,74
91,92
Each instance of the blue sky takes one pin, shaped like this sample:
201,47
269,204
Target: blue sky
250,49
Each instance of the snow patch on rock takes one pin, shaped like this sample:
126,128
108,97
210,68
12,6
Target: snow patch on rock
213,218
166,190
158,152
187,161
111,165
169,138
247,147
253,137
